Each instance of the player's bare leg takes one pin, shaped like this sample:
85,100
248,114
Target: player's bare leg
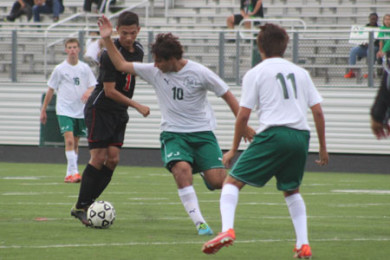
182,173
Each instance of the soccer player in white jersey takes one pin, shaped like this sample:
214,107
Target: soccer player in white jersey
282,92
73,80
188,144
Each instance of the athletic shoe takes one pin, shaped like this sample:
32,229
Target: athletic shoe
206,183
76,178
223,239
303,252
68,179
349,75
204,230
80,214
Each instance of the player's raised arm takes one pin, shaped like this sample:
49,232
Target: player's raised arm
116,57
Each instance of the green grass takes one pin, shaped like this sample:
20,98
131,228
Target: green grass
348,216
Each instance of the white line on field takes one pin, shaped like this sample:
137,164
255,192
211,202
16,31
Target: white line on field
152,202
332,192
20,178
123,217
187,243
364,191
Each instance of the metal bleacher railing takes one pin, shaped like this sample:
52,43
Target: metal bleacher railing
324,53
323,49
28,51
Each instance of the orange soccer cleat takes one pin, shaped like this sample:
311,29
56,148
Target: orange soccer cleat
76,178
223,239
68,179
304,252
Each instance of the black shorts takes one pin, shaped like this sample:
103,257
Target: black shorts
238,18
105,128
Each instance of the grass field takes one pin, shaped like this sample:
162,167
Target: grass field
348,216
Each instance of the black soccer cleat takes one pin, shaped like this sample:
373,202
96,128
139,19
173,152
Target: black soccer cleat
80,214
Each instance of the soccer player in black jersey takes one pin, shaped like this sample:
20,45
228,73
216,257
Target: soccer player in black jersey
380,110
106,115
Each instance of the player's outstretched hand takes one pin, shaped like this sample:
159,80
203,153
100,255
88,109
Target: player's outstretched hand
324,157
227,158
105,26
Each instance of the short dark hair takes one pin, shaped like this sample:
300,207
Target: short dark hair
373,14
272,40
72,40
167,46
127,18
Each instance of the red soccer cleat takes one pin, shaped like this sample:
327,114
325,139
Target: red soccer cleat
223,239
76,178
304,252
68,179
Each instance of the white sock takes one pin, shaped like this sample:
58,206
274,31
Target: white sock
296,207
190,202
72,163
77,160
228,203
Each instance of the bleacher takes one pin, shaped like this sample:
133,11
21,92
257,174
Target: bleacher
323,50
207,15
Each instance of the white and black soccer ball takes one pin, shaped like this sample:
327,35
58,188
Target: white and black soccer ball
101,214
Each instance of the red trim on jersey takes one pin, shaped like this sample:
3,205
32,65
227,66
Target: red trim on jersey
128,83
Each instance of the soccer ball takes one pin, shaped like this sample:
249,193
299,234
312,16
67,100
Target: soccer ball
101,214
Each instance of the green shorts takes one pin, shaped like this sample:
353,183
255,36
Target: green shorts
200,149
279,152
75,125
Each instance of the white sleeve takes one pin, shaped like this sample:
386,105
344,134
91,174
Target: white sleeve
249,92
146,71
54,79
314,96
214,83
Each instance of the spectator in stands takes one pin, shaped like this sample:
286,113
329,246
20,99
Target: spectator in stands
88,5
380,110
19,8
54,7
248,9
384,44
73,81
361,51
101,5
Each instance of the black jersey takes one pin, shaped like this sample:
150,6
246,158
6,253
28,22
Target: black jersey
380,110
124,83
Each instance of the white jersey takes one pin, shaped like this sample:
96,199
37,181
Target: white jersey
182,96
70,82
281,92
